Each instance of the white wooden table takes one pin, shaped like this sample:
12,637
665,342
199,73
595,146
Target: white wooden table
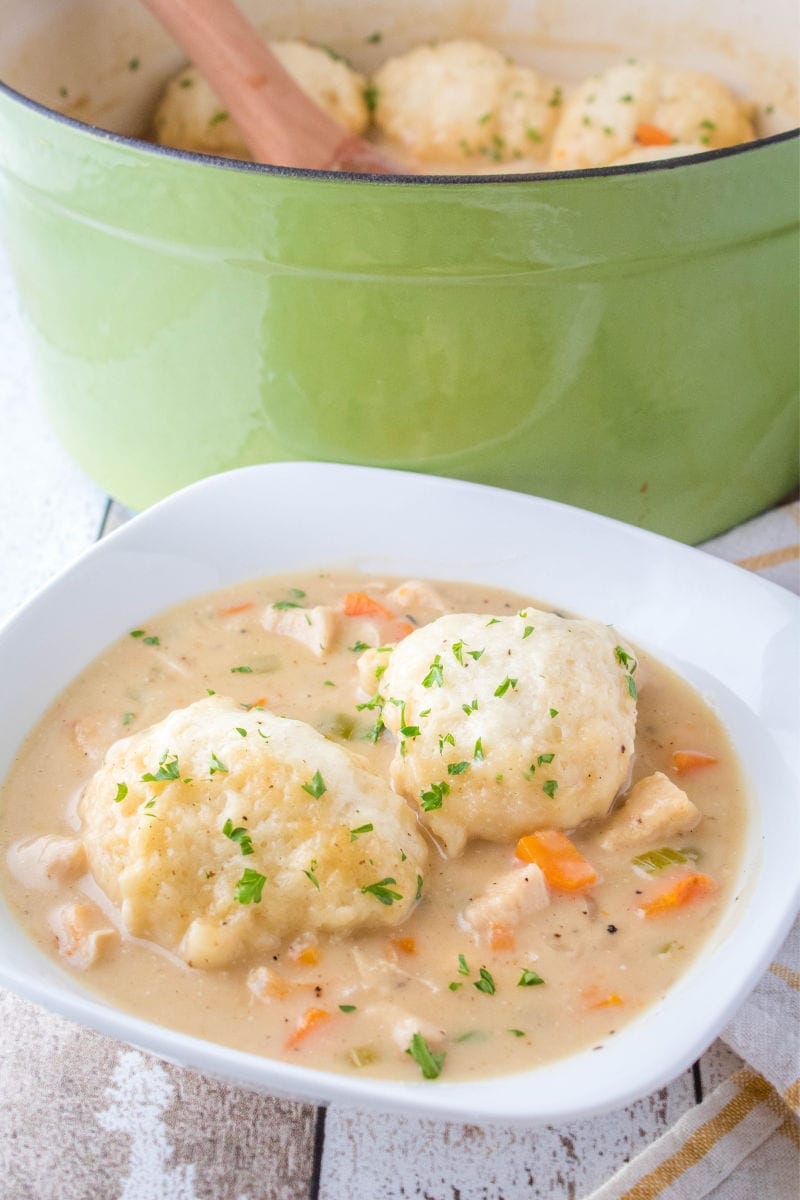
226,1144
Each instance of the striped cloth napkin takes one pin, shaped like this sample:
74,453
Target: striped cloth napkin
742,1142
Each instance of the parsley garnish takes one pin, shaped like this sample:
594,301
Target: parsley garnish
242,732
218,117
517,1032
470,708
434,678
529,978
550,787
503,687
429,1063
250,887
241,670
455,986
409,731
631,686
381,891
485,983
374,38
316,786
444,739
217,766
347,1008
433,797
475,654
297,593
463,969
282,605
239,835
151,641
133,64
527,631
553,712
457,648
545,758
359,645
375,731
122,791
127,718
478,751
356,833
168,768
420,882
457,768
310,873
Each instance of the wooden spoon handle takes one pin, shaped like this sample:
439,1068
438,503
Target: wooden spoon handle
279,122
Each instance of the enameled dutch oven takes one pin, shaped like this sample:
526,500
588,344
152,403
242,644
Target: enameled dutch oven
621,339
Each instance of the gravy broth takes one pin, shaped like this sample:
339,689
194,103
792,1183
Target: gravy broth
499,999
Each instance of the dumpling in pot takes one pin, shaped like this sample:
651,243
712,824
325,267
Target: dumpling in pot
219,832
510,724
190,116
641,107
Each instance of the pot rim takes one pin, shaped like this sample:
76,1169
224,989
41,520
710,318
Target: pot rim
235,164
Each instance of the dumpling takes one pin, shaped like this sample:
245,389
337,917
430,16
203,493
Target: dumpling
460,101
219,832
643,106
191,116
510,724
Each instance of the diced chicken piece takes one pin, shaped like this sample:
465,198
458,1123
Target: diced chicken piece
49,861
370,667
508,900
82,933
403,1026
314,628
93,734
416,594
655,809
384,974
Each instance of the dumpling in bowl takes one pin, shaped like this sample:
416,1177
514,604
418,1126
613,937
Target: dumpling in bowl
191,116
460,101
636,107
510,724
219,832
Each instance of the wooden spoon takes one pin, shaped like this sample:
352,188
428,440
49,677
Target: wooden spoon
279,122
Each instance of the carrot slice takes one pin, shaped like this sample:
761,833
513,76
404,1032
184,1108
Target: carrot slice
690,760
502,937
684,891
310,1019
651,135
234,608
402,629
359,604
406,944
561,862
308,956
593,998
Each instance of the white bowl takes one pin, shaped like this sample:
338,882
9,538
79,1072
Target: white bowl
732,635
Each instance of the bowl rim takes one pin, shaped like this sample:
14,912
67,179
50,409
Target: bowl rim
688,1012
254,168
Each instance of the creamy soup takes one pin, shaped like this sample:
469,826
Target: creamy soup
518,943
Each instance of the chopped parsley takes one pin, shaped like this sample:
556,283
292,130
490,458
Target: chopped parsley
168,768
527,631
250,887
297,593
555,99
471,707
532,134
122,791
310,874
381,891
347,1008
133,64
457,768
374,38
218,117
241,670
127,718
409,731
429,1063
242,732
418,893
550,787
457,647
517,1032
475,654
446,739
433,798
283,605
217,766
484,117
435,677
503,687
240,835
357,646
150,640
375,731
316,786
186,82
454,986
544,758
529,978
355,834
478,751
553,712
463,969
485,984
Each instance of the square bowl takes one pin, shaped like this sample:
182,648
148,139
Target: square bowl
733,636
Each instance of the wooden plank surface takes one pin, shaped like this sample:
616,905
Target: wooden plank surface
203,1139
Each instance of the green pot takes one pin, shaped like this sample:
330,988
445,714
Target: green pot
624,340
